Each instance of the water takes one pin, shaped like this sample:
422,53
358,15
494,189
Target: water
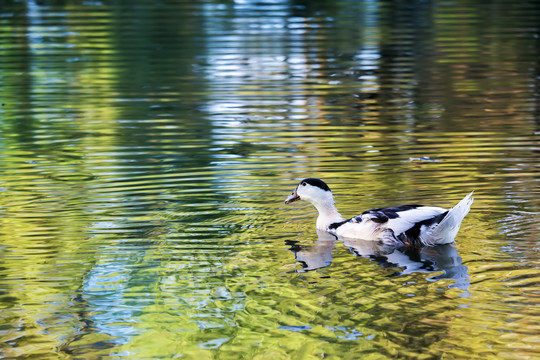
146,150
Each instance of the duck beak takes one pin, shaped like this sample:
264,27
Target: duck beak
292,198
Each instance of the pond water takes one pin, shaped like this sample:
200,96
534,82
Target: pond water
146,149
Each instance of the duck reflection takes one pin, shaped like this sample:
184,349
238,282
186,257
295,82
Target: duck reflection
409,259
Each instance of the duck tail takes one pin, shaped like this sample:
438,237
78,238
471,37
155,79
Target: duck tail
446,230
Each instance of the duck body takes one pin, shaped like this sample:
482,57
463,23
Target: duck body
404,224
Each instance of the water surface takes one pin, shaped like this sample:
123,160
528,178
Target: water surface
146,150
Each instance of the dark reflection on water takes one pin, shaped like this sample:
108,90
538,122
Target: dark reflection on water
145,148
442,258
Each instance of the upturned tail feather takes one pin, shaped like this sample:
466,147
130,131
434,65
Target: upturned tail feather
446,231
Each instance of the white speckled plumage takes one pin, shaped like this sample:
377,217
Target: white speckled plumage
410,224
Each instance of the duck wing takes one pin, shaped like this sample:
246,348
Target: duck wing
373,215
402,218
382,215
385,224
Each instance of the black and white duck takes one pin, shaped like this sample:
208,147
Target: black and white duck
404,224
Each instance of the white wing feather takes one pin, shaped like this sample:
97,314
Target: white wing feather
409,218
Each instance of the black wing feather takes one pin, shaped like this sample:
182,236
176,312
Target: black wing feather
393,212
377,216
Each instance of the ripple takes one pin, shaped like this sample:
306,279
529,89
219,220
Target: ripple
146,152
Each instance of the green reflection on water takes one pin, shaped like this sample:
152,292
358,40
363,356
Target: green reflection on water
146,151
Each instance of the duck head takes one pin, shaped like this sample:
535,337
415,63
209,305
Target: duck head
311,190
317,193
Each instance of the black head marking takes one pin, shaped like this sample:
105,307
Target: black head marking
315,182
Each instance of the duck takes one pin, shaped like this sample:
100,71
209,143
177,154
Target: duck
410,225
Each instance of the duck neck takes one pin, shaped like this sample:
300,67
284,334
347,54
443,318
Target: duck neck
328,214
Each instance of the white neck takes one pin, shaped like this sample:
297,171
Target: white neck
328,213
